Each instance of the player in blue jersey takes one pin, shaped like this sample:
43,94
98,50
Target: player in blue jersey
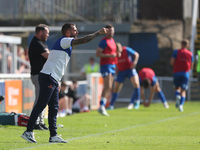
50,76
127,59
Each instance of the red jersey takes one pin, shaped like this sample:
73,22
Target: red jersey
125,61
146,73
183,60
109,47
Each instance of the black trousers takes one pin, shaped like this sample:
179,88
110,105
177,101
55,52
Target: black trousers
48,95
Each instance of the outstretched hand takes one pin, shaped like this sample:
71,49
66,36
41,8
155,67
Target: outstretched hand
103,31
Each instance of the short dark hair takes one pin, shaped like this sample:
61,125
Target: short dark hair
74,81
109,26
91,59
185,42
41,27
66,26
63,84
145,83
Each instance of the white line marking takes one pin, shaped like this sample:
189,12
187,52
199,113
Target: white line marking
124,129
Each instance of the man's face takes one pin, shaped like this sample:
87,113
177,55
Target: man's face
74,32
92,61
63,88
111,32
75,85
45,35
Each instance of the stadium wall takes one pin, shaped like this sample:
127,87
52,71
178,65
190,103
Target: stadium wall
169,34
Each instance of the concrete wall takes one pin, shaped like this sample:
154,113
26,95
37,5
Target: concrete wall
169,35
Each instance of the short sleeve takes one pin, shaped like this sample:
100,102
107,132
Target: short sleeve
130,51
66,42
103,44
192,58
174,53
41,47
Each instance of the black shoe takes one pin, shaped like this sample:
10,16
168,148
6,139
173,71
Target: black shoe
44,126
38,127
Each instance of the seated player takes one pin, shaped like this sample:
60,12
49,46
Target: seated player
65,103
80,104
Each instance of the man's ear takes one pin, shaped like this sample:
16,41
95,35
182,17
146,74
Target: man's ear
67,33
41,32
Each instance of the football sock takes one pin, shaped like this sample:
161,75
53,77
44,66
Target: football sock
177,94
113,99
162,96
103,101
136,95
182,100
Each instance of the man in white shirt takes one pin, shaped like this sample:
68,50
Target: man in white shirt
49,78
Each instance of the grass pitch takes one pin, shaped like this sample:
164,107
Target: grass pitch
152,128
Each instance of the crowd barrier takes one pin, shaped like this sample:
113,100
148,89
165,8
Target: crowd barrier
95,87
18,91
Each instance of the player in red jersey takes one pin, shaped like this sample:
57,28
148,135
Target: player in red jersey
127,59
148,78
182,60
107,52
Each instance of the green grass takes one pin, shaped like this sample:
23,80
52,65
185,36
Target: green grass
153,128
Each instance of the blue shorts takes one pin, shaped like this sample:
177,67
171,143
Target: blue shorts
107,69
154,80
181,80
123,74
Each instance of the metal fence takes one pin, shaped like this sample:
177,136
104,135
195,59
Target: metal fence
86,11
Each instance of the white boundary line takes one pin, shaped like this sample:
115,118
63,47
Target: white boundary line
120,130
